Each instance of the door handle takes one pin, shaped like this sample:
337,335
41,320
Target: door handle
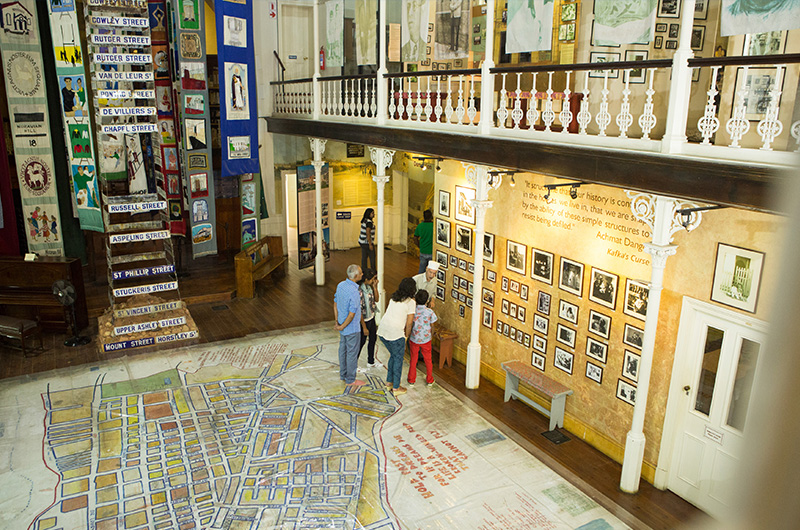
686,389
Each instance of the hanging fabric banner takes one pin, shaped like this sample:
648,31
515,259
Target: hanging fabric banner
193,105
334,33
616,24
453,29
237,88
530,26
30,126
249,191
306,215
9,242
366,36
415,30
738,17
75,113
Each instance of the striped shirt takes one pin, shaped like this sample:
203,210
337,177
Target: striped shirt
362,236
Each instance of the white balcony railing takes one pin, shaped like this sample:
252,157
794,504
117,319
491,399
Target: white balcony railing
734,111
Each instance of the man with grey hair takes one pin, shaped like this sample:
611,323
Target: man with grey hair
347,312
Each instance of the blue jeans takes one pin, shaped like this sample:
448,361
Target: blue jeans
423,262
348,356
397,348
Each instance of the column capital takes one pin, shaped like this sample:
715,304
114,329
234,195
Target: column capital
381,180
476,175
382,158
645,207
660,253
317,147
481,206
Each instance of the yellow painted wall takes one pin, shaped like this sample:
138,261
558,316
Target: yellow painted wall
211,31
597,230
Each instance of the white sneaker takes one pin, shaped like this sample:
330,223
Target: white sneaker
360,370
371,365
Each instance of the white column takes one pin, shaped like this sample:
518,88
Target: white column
659,213
317,148
383,83
315,92
680,85
487,78
382,158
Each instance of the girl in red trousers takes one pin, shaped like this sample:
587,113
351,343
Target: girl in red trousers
420,339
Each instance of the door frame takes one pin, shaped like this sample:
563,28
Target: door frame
681,365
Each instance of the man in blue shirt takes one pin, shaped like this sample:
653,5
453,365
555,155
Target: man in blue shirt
347,311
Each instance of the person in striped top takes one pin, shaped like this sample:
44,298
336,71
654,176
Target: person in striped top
365,240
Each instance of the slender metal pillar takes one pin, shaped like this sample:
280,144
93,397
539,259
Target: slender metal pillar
317,148
382,158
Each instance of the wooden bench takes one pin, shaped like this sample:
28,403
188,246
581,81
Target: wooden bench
263,258
443,344
517,371
20,329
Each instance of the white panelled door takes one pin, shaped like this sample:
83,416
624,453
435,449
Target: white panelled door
720,356
297,39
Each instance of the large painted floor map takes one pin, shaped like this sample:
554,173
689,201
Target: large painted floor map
260,433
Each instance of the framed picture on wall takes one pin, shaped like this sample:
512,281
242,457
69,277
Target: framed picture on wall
463,283
599,324
658,42
440,292
469,302
516,254
488,297
488,247
505,306
563,360
523,292
462,264
571,276
462,310
512,310
698,37
526,341
759,84
465,211
569,12
537,360
504,284
441,258
487,317
514,286
630,366
669,9
674,31
637,75
512,334
565,335
539,343
491,275
603,288
454,261
661,27
594,372
701,9
671,45
464,239
542,266
636,296
626,392
543,303
540,324
440,276
568,311
737,277
444,203
521,313
769,43
633,336
443,233
499,326
604,57
596,349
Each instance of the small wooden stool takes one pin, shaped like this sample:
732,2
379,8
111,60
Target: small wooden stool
18,328
446,338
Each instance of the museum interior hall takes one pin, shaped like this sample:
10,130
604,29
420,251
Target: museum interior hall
597,195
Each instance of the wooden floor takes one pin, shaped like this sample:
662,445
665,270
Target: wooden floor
208,286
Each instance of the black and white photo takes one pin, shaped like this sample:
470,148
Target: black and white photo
571,276
596,349
540,324
462,298
499,326
464,239
523,292
456,282
594,372
487,317
737,277
563,360
471,267
539,343
444,203
512,310
491,276
521,313
469,302
463,283
515,256
630,366
568,311
526,341
565,335
636,296
626,392
465,210
504,284
441,257
488,297
454,260
669,9
633,336
440,292
461,311
488,247
538,361
453,294
462,264
603,288
506,329
443,233
520,337
512,333
504,307
513,286
440,276
542,266
599,324
543,303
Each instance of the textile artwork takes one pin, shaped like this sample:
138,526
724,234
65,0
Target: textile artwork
414,32
624,22
738,17
530,26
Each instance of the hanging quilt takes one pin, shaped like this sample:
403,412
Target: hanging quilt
30,126
738,17
530,26
618,22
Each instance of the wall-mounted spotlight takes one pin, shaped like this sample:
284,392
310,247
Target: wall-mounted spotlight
498,173
573,191
427,162
689,216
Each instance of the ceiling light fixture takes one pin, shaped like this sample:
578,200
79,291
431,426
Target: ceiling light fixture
573,192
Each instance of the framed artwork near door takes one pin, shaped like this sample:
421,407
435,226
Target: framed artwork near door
737,277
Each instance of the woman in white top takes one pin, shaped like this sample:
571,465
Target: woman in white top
394,329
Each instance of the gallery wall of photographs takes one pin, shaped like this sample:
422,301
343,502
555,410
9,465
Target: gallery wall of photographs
558,309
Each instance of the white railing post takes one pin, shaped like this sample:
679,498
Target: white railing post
315,80
487,78
383,83
680,85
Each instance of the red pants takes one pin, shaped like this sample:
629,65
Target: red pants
426,355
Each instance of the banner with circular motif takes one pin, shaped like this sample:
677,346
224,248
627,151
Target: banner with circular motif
21,53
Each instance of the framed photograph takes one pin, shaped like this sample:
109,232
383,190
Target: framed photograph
658,42
462,310
463,283
758,84
542,266
630,366
504,284
636,295
469,302
604,57
571,276
499,326
454,260
599,324
603,289
698,37
462,298
487,317
594,372
506,329
440,276
440,292
504,307
523,292
563,360
470,287
674,30
488,297
600,42
520,337
456,282
565,335
471,268
462,264
596,349
637,75
538,361
540,324
626,392
633,336
441,259
512,310
543,303
526,340
661,27
769,43
443,233
701,9
569,12
516,254
491,276
669,9
464,239
488,247
513,286
444,203
539,343
465,211
737,277
454,294
568,311
512,333
671,45
566,32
